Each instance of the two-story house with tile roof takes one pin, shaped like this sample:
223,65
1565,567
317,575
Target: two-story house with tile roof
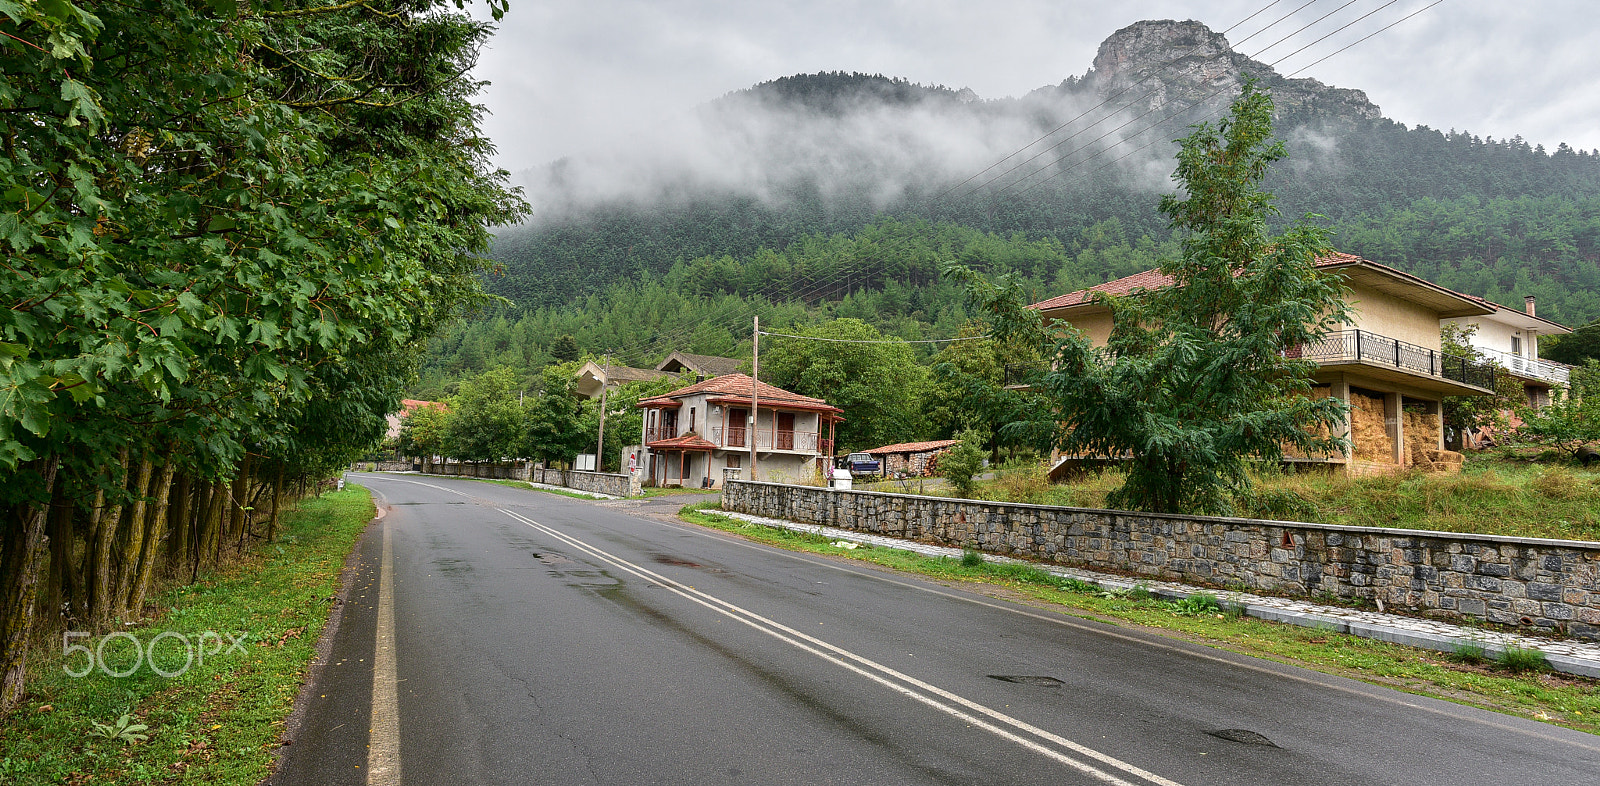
694,434
701,366
1509,338
594,377
1388,364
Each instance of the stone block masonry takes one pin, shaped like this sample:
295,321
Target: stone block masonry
610,483
1552,585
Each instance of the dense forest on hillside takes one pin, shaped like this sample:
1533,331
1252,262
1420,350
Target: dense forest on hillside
1354,172
833,202
886,274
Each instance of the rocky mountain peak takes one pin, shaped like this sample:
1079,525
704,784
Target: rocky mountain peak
1187,62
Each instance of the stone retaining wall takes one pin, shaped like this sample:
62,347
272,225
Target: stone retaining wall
1549,584
383,466
514,470
616,485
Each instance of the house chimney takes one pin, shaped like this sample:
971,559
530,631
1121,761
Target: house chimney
1530,309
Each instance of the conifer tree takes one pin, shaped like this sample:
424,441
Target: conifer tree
1197,378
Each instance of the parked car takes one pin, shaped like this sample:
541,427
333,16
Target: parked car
863,464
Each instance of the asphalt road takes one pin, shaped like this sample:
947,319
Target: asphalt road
541,639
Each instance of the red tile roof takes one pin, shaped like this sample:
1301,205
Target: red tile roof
1155,279
1487,303
738,386
915,447
409,405
685,442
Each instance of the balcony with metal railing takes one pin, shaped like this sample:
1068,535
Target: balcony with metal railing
1022,375
1554,373
1360,346
773,440
657,433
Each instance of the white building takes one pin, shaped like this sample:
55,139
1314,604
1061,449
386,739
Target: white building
1510,338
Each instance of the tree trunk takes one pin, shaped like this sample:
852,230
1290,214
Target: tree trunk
21,552
241,502
154,530
101,582
58,583
210,536
277,502
178,522
131,543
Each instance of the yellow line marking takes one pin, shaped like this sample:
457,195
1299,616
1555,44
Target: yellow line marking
383,740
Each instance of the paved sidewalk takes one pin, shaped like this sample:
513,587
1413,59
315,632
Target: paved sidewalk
1566,656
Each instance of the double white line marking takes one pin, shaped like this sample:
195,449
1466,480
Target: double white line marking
1102,767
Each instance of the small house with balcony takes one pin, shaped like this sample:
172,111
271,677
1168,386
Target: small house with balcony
594,377
698,435
1509,338
1388,365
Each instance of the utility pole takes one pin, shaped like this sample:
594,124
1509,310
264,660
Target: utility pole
600,446
755,398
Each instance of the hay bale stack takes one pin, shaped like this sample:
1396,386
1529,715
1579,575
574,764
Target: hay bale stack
1369,436
1421,433
1445,461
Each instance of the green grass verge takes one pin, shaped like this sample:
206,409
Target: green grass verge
1570,701
653,491
218,722
1493,495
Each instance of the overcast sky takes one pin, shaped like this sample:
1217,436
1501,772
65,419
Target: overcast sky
576,75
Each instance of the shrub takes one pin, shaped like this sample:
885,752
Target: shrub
1522,659
971,559
1198,604
961,464
1470,652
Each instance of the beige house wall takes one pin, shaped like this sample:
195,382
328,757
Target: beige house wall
1384,314
1096,326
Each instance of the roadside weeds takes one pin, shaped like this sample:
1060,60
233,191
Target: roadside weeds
218,721
1566,700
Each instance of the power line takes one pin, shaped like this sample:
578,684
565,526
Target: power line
816,286
1214,93
1108,116
813,285
1161,120
877,341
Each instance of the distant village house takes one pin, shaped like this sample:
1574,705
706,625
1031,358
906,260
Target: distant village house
397,420
698,435
913,459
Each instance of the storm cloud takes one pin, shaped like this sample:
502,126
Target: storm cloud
623,92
